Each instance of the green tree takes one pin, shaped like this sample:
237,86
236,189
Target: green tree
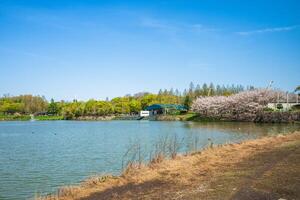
53,108
192,87
32,104
73,110
211,89
11,107
135,106
204,89
103,108
121,105
197,92
187,101
90,107
148,100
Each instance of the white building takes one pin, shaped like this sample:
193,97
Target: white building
144,113
285,106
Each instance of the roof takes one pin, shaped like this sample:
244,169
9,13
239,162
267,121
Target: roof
166,106
284,102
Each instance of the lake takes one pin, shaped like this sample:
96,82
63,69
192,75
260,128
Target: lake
40,156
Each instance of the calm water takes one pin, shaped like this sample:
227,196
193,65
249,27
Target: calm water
38,157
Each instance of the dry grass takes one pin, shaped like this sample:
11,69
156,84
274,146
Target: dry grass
249,170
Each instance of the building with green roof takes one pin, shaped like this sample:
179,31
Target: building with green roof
155,109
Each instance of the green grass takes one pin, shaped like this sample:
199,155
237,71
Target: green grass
190,116
14,117
197,118
27,117
55,117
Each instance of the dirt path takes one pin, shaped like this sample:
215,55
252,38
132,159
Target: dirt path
246,190
279,158
267,168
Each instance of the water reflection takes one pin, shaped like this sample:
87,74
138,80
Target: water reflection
256,129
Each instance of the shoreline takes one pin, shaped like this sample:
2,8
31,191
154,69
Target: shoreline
273,117
252,168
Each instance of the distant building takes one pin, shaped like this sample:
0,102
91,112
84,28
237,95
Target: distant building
282,106
285,103
157,109
144,113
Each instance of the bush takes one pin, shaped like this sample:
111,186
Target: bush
296,107
279,106
268,109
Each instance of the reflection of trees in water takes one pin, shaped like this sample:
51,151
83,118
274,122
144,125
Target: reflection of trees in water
202,135
215,133
245,127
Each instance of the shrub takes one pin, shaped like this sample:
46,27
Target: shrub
296,107
279,106
268,109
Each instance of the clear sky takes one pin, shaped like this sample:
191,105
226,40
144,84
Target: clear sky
95,49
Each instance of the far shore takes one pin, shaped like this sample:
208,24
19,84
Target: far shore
263,117
266,168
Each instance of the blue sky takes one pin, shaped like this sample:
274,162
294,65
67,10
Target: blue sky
97,49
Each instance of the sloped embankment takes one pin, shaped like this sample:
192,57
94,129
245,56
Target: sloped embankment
266,168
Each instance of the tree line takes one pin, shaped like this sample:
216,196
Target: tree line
23,104
129,104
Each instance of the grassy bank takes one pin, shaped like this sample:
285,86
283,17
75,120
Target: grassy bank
27,118
14,117
266,168
190,116
43,118
262,117
180,117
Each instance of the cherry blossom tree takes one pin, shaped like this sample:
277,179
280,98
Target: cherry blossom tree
242,106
